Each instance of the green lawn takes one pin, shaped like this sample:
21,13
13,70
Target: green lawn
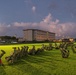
45,63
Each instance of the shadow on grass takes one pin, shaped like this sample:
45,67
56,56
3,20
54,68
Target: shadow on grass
35,65
29,68
40,64
47,56
32,69
2,71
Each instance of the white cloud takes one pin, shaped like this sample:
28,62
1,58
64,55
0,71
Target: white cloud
48,18
33,8
61,29
3,27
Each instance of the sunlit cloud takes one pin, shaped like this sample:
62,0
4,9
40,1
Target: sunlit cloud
29,2
61,29
48,24
34,9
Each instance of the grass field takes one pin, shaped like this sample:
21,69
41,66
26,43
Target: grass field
45,63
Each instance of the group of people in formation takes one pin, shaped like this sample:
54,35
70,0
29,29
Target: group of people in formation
20,52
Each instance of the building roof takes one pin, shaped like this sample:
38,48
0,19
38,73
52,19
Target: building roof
38,30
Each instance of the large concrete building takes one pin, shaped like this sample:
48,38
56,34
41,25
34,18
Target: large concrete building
38,35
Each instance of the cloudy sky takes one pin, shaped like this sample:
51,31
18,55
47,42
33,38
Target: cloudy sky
57,16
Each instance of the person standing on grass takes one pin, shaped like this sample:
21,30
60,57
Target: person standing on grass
3,52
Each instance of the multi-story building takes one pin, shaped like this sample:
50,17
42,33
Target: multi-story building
38,35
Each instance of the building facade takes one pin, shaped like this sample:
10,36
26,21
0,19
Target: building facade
38,35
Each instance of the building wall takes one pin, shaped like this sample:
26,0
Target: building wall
51,36
38,35
28,35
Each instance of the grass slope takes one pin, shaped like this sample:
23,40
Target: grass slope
45,63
